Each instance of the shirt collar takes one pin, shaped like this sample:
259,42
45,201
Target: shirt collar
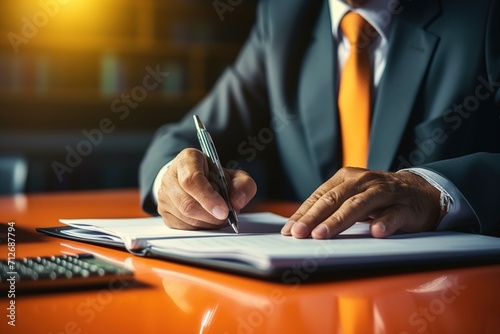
376,12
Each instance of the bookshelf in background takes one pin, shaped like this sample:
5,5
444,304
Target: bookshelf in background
83,58
77,58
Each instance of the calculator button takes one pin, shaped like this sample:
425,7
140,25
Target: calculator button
60,271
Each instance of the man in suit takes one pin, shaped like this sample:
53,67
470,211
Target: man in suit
434,121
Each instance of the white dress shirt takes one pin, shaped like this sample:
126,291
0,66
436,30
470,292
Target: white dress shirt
377,14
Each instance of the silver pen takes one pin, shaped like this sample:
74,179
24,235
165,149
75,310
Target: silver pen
216,173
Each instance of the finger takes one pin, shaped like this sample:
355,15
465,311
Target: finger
324,192
354,209
300,230
242,188
325,188
181,205
190,210
192,175
388,222
397,218
173,197
322,209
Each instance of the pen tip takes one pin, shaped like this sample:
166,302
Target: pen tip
233,221
235,228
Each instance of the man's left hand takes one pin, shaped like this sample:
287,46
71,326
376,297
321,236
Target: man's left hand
389,201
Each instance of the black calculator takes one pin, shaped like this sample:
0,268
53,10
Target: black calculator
42,273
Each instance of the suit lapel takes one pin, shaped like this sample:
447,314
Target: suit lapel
318,109
409,54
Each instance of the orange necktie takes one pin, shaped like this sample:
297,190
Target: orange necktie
354,91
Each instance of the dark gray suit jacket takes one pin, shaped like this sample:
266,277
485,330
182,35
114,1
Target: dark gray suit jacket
437,105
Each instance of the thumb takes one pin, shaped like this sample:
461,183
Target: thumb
387,223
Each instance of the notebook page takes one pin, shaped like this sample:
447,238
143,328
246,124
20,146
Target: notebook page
135,232
265,250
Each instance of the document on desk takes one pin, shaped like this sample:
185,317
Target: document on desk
260,250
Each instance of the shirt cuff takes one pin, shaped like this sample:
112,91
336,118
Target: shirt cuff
157,182
460,215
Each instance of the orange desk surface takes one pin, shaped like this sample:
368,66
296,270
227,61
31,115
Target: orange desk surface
174,298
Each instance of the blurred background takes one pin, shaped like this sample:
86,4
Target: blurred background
84,83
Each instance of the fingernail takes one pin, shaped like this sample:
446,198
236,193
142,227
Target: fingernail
219,213
320,232
240,199
381,227
300,230
285,230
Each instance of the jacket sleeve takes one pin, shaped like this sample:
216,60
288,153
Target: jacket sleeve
235,104
477,177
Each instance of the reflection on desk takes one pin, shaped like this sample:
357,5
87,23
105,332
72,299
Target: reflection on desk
175,298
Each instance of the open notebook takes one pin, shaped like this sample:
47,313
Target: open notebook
260,250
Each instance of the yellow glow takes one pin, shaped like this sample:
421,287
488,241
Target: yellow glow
85,16
72,17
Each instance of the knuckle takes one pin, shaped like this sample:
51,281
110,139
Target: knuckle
316,196
311,216
331,198
181,216
188,180
358,201
247,180
188,158
351,170
367,176
359,179
189,153
345,172
391,187
188,208
336,219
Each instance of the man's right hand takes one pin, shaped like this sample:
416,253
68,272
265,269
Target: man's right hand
188,200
